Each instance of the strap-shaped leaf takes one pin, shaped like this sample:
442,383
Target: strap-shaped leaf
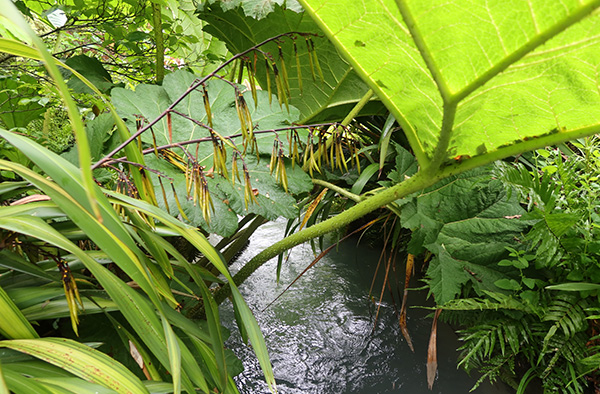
80,360
13,324
478,79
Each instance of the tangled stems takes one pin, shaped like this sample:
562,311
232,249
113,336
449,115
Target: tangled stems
418,182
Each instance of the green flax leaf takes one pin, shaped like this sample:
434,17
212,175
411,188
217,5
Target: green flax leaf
91,364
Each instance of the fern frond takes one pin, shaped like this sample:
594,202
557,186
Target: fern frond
567,311
496,302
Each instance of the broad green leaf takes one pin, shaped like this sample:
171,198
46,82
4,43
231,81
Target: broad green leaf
51,375
57,309
13,324
91,364
75,386
150,101
3,387
174,355
364,177
474,78
93,70
12,261
466,222
580,286
330,99
20,384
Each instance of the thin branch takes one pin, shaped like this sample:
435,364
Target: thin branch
189,90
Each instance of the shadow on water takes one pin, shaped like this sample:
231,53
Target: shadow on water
320,333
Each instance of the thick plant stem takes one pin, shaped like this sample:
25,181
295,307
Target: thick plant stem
418,182
160,42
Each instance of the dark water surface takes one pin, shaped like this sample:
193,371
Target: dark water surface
320,333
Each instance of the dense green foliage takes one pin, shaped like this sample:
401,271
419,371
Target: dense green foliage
114,172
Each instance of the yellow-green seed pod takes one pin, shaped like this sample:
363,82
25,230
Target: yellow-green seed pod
268,80
164,194
284,74
273,157
316,60
252,80
310,59
298,67
183,215
278,85
207,107
235,173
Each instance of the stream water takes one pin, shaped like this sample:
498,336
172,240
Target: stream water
320,332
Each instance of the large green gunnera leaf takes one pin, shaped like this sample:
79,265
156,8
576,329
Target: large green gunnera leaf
149,101
474,78
466,222
327,100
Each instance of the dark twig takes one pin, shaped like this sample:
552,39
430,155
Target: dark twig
189,90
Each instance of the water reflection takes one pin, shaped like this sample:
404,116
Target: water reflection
320,333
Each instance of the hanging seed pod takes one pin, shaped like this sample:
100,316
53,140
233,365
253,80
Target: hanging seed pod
242,117
205,198
223,157
235,173
216,154
268,71
240,76
207,107
298,68
273,156
356,157
252,80
281,96
148,188
189,180
154,144
197,195
278,84
164,194
280,174
71,293
310,59
332,150
183,215
233,70
248,192
307,148
322,151
170,127
138,122
308,158
341,156
254,148
295,141
316,60
248,116
284,73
